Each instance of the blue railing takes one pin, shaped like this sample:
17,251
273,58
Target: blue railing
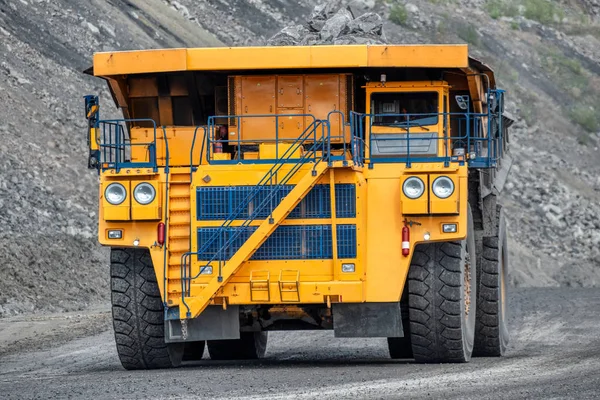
204,138
224,237
418,137
239,144
116,146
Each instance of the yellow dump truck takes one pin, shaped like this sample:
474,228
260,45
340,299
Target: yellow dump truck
350,188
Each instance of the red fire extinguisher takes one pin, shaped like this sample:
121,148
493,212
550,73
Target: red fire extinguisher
405,241
221,135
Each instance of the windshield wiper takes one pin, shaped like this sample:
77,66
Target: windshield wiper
423,126
398,126
406,125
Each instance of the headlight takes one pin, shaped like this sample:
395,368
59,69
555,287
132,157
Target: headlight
413,187
144,193
443,187
115,194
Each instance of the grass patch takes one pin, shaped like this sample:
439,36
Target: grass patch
566,72
469,34
398,14
542,11
501,8
586,117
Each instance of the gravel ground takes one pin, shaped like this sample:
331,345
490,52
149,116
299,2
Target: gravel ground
554,353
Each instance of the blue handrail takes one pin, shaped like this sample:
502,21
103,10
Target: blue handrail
113,139
484,149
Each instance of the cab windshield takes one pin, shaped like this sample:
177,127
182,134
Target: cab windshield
405,109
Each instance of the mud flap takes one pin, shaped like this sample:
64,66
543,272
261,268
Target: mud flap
214,323
367,320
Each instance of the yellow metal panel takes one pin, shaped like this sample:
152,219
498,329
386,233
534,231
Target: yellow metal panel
427,56
415,206
140,153
280,57
221,156
276,57
139,62
269,151
150,211
180,142
309,292
444,206
121,212
386,268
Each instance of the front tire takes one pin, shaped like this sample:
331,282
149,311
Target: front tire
138,313
250,346
442,295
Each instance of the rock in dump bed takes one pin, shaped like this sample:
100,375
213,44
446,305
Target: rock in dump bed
330,24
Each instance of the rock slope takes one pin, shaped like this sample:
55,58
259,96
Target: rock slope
548,61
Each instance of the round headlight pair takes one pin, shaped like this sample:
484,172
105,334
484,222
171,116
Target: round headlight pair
442,187
143,193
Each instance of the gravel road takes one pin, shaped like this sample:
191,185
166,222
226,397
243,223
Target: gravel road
554,353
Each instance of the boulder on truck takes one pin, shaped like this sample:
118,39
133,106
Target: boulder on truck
350,188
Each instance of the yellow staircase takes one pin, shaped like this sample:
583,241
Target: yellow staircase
178,241
193,306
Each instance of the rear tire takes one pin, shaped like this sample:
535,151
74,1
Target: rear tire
138,314
442,295
491,328
250,346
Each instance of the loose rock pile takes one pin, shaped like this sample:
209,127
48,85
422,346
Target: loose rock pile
330,24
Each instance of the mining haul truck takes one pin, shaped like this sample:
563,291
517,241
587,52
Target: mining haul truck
255,189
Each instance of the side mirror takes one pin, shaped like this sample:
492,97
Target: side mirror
463,101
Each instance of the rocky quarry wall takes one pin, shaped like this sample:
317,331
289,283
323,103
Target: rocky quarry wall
50,260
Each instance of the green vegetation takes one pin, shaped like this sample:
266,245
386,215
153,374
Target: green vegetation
469,34
501,8
543,11
398,14
586,117
568,73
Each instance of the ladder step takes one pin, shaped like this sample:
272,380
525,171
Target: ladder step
180,206
179,231
179,245
180,218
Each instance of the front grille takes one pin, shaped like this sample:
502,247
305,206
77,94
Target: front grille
288,242
222,202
